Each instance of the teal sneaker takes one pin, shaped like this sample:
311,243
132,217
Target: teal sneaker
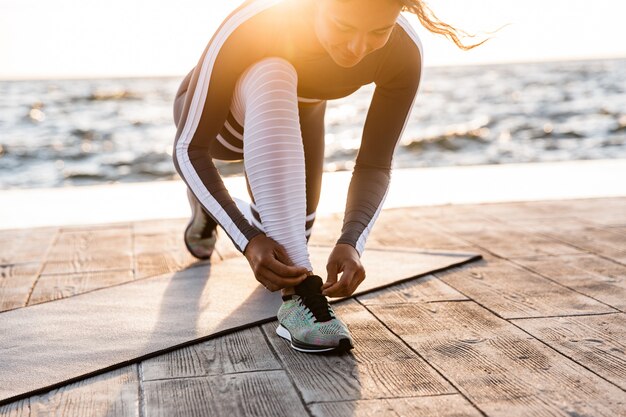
309,322
201,233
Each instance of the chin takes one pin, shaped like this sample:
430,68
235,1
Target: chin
344,62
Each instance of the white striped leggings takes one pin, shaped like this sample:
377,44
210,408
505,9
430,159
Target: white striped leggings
281,141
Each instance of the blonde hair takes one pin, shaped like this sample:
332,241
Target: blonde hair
432,23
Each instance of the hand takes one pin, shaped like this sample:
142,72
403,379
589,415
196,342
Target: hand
271,264
344,258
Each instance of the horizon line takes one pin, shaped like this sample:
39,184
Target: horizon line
470,64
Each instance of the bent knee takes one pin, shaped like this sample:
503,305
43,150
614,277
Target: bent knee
268,70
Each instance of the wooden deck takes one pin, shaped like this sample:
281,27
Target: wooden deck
535,329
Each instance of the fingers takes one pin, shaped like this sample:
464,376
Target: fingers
273,281
331,269
347,285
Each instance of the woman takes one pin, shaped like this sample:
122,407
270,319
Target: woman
259,93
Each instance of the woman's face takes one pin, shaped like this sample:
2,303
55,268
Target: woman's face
350,29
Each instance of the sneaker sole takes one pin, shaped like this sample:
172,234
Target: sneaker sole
193,216
343,346
189,248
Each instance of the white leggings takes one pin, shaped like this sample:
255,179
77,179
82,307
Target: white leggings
265,102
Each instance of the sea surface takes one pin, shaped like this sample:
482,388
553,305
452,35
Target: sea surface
57,133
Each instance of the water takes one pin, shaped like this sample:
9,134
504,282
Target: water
56,133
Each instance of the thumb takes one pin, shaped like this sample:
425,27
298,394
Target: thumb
331,269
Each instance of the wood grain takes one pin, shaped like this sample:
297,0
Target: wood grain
513,292
16,281
597,342
507,241
19,408
259,394
601,241
498,367
605,210
56,287
440,405
241,351
161,253
426,289
91,250
25,245
380,366
415,232
591,275
115,393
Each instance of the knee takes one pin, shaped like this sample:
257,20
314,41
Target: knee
270,73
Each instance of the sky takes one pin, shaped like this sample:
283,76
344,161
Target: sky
116,38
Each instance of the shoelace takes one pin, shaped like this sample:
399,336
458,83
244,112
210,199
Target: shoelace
318,305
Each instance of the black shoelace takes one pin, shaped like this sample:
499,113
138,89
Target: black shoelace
318,305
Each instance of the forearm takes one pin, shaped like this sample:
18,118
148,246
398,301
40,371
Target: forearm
203,179
366,195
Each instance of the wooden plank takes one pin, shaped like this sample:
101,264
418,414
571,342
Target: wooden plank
441,211
542,225
580,233
440,405
597,342
598,211
115,393
426,289
242,351
55,287
537,210
160,247
161,253
19,408
159,263
264,393
598,240
224,247
16,280
497,366
602,211
25,245
507,241
361,408
86,227
105,240
406,228
87,261
90,250
380,366
149,227
591,275
513,292
326,229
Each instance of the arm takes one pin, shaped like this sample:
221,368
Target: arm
387,116
396,89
